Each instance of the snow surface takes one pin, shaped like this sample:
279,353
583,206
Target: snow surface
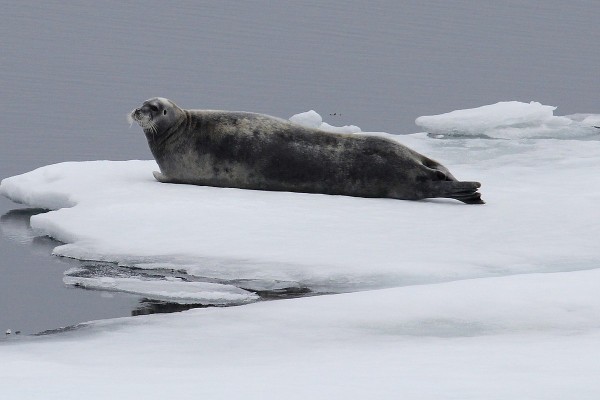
499,301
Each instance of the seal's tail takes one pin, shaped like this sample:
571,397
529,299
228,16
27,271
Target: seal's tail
462,191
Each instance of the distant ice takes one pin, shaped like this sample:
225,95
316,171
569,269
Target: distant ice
586,119
312,119
510,120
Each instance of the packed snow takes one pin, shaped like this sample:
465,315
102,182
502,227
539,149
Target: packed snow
448,300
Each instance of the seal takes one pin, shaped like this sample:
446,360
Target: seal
255,151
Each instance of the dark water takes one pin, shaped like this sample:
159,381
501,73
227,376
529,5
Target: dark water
70,72
32,295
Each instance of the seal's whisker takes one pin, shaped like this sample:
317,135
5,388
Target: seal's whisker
151,127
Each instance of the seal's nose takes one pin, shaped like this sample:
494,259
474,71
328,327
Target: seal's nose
137,111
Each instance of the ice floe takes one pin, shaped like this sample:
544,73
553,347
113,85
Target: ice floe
511,120
312,119
538,192
494,301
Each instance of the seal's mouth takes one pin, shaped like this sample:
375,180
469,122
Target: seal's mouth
131,118
143,119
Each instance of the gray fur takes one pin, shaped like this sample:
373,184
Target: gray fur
255,151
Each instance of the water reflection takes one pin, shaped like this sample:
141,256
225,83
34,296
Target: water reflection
148,306
33,297
15,225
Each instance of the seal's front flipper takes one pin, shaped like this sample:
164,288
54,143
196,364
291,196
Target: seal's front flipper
160,177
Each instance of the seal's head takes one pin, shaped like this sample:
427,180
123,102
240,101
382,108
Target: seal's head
155,115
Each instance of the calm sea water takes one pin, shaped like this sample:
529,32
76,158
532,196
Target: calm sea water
69,73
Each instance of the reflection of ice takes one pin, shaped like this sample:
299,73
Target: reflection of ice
15,224
147,306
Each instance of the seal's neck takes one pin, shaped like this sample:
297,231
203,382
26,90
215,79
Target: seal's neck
162,142
160,138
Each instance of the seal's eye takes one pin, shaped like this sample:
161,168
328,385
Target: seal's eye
154,108
164,112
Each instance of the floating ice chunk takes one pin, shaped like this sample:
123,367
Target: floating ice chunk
172,290
339,129
592,120
586,119
508,120
312,119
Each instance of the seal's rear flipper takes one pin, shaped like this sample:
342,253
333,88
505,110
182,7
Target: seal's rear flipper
463,191
473,198
160,177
